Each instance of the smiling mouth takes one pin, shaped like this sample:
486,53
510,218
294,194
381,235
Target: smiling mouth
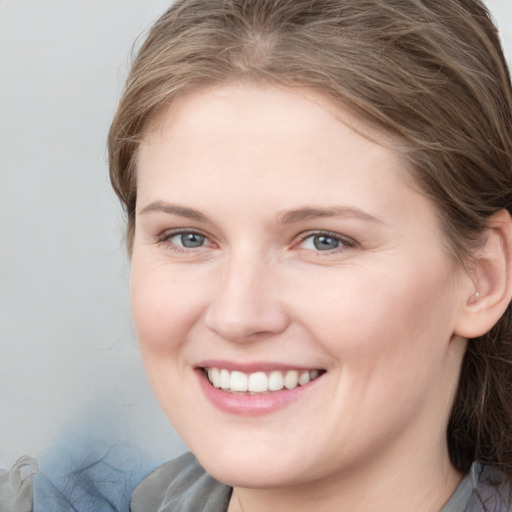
259,382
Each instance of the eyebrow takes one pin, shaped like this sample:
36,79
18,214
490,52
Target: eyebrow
173,209
307,213
284,217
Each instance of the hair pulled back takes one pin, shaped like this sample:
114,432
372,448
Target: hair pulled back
430,73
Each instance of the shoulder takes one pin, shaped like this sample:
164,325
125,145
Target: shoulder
180,485
483,489
492,490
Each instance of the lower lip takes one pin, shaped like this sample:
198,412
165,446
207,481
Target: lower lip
250,405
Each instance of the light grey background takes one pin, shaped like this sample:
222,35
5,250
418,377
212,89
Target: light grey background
69,362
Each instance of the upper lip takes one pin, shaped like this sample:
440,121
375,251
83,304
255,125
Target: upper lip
252,367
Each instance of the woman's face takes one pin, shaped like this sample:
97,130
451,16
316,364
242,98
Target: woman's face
274,245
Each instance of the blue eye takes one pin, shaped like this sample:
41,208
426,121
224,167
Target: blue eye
188,239
325,242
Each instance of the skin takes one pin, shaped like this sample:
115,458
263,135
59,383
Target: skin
379,312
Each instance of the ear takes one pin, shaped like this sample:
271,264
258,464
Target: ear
490,291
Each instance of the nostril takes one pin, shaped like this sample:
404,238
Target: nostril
245,326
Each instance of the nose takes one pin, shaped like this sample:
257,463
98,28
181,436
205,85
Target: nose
246,305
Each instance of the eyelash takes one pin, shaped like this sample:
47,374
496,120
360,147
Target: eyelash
343,241
165,238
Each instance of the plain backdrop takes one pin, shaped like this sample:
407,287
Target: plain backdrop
69,361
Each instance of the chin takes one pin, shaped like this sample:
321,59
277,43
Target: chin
248,475
253,468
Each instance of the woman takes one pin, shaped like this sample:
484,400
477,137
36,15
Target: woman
318,198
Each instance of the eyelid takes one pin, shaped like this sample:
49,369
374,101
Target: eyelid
345,241
166,236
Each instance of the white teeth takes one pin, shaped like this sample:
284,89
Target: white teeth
291,379
224,379
304,378
259,382
238,381
275,381
215,377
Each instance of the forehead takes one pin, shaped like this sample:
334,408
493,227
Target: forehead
275,129
218,103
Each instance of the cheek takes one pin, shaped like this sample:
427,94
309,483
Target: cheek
163,307
164,312
368,317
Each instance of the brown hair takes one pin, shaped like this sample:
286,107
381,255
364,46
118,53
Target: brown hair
430,73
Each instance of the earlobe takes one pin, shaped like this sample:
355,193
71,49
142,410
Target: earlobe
491,291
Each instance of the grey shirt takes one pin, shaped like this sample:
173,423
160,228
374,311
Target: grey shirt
182,485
